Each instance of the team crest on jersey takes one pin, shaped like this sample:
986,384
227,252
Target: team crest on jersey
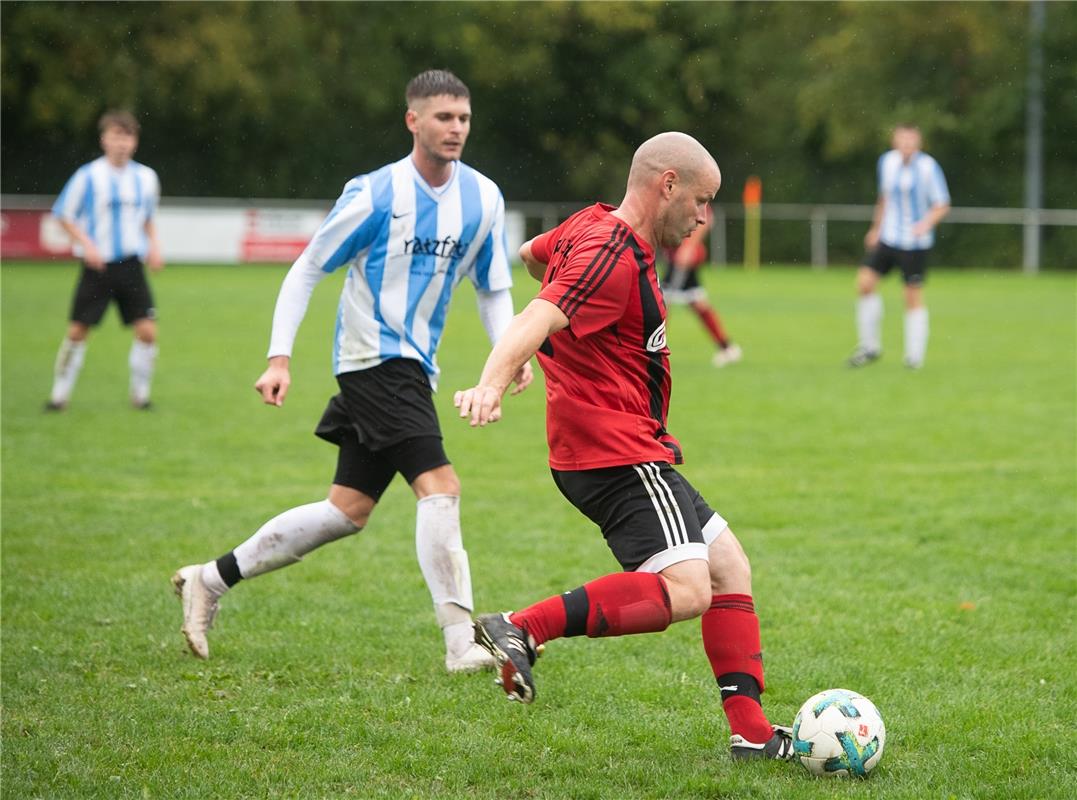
657,340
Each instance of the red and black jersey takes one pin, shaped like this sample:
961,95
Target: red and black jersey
607,373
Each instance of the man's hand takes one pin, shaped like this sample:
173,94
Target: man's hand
274,383
481,403
871,238
523,378
91,256
153,258
921,227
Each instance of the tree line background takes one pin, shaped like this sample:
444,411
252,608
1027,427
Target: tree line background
289,100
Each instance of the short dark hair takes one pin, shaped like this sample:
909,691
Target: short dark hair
435,82
907,126
124,120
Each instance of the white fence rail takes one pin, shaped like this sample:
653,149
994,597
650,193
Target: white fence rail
280,213
818,216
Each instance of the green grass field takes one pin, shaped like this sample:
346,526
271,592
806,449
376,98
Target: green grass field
912,536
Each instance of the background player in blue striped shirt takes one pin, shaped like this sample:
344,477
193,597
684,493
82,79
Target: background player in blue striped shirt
407,233
913,198
107,208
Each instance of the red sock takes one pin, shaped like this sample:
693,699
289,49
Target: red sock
614,605
713,325
731,641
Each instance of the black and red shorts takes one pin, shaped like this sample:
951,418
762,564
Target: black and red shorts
650,515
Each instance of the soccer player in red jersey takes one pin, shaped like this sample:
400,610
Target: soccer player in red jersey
680,284
598,326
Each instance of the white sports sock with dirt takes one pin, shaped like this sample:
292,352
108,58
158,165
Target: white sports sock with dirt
869,318
69,361
283,540
141,360
440,547
916,331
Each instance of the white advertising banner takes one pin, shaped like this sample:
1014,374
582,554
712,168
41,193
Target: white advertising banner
208,233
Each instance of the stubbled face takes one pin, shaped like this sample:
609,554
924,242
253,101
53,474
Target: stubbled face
440,126
907,142
687,206
118,144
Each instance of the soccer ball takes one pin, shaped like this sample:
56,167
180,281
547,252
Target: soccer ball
838,733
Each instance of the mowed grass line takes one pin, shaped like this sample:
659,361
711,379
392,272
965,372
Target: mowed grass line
912,537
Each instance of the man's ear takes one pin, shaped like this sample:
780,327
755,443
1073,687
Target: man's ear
669,180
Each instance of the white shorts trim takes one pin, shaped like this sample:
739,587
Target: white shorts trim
674,555
714,528
685,296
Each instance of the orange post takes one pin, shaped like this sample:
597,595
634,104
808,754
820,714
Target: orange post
753,201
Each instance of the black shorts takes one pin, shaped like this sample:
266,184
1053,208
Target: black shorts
913,263
123,281
650,515
384,422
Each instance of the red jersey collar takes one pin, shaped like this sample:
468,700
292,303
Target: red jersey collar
602,210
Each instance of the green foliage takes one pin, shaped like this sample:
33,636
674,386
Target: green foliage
911,536
291,99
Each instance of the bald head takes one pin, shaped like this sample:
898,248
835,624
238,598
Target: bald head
672,181
674,151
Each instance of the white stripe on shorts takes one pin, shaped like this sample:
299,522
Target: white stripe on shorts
665,504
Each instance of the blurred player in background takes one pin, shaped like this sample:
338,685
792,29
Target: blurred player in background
599,326
107,208
681,284
408,234
913,198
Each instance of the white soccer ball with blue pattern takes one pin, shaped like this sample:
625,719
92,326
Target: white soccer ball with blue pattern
838,733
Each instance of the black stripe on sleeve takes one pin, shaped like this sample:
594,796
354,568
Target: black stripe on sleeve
574,297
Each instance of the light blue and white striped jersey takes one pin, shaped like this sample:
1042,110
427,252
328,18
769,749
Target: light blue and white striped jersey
112,206
406,247
911,190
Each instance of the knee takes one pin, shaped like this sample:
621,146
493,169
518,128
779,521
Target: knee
146,332
730,569
442,480
352,503
77,332
866,281
689,595
697,601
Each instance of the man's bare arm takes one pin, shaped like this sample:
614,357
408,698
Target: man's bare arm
481,404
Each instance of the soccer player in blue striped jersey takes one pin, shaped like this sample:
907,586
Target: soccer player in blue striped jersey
913,199
108,208
407,235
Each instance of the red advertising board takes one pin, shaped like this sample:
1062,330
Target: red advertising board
32,234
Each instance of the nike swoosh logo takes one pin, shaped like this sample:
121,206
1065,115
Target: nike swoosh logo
398,216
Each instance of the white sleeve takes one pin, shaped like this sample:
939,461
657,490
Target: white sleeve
492,269
495,311
292,303
69,202
349,228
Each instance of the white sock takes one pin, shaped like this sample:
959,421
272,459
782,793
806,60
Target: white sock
212,580
288,537
69,361
869,317
459,636
916,330
443,561
141,360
